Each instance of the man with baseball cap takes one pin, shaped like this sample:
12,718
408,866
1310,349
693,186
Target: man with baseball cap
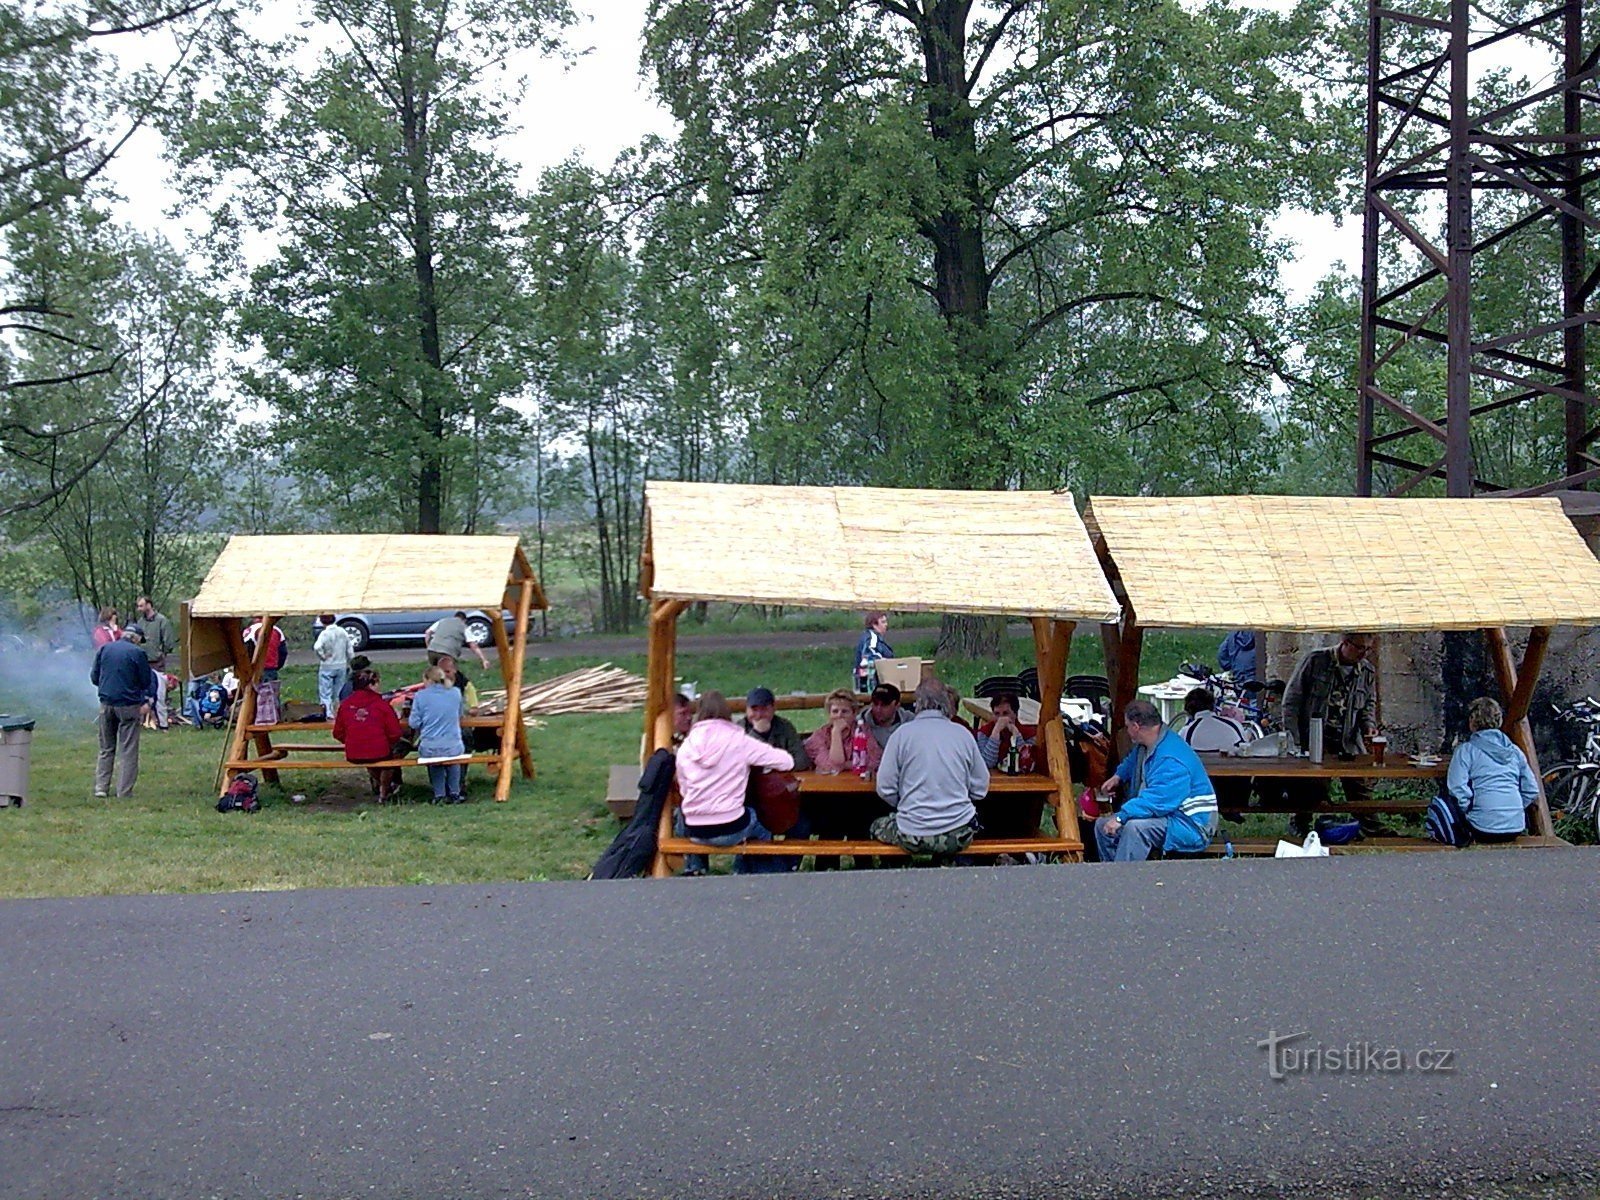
761,721
127,687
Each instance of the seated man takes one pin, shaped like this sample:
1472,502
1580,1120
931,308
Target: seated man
931,775
1170,801
996,737
1207,730
882,716
761,721
682,718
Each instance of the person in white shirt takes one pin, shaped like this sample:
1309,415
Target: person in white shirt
333,651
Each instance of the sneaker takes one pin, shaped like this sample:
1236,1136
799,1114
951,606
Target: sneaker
455,800
101,794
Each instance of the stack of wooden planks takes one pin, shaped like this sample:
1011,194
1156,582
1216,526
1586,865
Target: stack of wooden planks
602,689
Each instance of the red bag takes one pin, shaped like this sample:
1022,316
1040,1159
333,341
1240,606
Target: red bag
775,795
1089,804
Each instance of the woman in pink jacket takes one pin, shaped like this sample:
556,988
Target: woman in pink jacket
713,778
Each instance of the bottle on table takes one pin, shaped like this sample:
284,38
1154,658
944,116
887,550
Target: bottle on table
858,750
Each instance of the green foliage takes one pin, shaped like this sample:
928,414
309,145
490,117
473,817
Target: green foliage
389,319
983,247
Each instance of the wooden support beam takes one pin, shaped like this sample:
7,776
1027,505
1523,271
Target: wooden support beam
1065,802
1052,641
1516,684
510,744
247,668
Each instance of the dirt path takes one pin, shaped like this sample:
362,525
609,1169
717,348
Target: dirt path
688,643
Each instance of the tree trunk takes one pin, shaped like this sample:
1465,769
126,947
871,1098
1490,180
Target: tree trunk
414,130
964,636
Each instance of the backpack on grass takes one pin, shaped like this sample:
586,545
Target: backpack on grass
240,796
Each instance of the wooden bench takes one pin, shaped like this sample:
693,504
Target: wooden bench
274,759
801,847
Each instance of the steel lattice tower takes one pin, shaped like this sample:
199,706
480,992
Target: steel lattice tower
1510,182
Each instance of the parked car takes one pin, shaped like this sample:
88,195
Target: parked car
395,628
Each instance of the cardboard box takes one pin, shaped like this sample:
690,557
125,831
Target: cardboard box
905,673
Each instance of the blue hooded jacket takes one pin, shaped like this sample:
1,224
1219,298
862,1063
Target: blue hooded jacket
1174,785
1491,780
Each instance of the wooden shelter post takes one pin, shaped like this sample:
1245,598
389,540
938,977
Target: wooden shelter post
1052,642
513,740
247,667
660,674
1516,682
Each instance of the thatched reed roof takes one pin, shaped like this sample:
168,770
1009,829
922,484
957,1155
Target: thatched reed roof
305,574
1011,553
1301,563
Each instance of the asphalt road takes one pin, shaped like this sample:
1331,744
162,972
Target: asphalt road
984,1032
688,643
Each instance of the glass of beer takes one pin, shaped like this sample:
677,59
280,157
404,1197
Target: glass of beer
1380,747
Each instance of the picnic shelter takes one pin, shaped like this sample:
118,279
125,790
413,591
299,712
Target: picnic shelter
1015,554
269,577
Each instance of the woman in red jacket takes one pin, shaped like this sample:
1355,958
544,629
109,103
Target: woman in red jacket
369,729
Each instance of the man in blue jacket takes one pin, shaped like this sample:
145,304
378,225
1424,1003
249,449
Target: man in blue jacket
127,687
1171,802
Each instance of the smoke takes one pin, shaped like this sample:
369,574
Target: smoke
44,672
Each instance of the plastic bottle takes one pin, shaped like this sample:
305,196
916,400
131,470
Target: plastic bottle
858,750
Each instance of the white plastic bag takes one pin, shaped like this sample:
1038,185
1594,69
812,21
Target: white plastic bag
1313,848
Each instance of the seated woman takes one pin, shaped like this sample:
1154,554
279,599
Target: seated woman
436,713
370,731
996,737
713,778
829,747
1490,781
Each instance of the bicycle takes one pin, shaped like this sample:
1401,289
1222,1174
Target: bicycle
1572,787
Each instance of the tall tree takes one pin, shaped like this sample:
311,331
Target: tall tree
130,525
965,236
389,315
66,110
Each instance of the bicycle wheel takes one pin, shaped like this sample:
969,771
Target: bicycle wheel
1573,792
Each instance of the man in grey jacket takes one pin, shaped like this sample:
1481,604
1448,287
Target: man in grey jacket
1338,685
932,775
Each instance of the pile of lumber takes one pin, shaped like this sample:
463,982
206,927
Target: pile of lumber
602,689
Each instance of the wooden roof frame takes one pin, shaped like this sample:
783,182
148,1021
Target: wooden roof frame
1501,533
898,516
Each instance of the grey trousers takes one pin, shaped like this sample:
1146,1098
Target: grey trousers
119,739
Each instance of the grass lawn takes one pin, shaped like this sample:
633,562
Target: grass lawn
170,838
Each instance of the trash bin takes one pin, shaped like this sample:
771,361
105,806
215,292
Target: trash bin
16,739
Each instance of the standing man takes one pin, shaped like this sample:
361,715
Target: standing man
159,643
932,776
1170,804
448,636
1339,684
761,721
334,652
127,687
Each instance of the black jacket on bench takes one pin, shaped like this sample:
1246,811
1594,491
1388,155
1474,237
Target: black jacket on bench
633,850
